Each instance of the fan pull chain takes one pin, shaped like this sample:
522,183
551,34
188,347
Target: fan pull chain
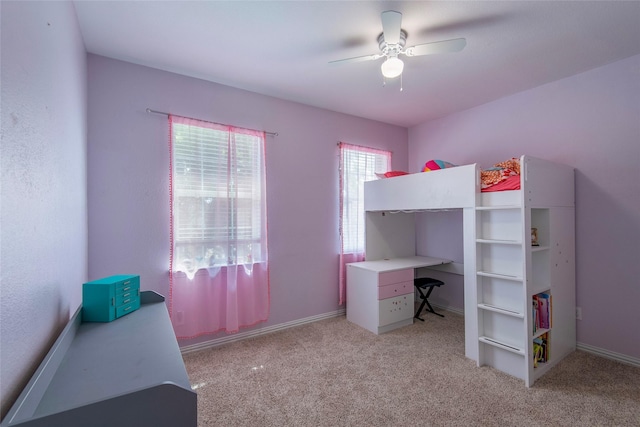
400,82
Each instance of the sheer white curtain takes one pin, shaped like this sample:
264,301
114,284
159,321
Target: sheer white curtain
219,275
357,165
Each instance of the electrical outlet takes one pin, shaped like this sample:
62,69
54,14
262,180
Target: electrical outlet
578,313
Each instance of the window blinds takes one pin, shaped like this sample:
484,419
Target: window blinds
217,195
359,164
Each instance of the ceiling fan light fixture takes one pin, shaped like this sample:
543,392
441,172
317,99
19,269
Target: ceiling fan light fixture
392,67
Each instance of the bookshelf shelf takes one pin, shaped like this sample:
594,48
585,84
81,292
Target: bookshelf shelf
538,288
542,369
500,242
540,332
539,248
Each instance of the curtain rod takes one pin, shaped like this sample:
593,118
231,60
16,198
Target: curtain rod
149,110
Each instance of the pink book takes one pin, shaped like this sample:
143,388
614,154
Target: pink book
543,311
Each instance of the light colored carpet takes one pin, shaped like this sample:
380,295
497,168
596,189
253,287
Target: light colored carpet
334,373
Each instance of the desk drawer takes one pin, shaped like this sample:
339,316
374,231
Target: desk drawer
389,291
391,277
395,309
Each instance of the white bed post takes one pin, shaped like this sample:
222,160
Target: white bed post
470,278
470,285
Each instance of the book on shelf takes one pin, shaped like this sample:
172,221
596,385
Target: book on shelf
534,313
541,311
541,349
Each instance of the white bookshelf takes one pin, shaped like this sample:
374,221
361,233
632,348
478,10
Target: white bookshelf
509,271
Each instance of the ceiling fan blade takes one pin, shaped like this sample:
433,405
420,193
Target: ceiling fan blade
446,46
357,59
391,22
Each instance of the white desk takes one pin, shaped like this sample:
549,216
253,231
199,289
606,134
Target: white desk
394,264
380,295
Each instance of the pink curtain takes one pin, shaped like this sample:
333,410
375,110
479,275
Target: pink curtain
219,299
219,273
357,165
344,260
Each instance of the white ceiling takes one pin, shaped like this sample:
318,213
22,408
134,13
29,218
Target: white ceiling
282,48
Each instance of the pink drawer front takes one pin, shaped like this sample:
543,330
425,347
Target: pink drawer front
390,291
391,277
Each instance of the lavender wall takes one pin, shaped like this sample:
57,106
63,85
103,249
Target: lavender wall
43,234
591,122
128,179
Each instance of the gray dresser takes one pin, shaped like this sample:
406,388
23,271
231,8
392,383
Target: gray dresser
128,372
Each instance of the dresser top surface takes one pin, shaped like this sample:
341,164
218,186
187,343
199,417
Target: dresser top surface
133,352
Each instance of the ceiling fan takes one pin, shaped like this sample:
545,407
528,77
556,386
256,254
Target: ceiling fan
392,43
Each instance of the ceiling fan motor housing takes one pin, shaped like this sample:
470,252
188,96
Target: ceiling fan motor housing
392,49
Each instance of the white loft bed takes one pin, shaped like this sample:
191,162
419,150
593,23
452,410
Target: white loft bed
393,236
459,187
443,189
491,222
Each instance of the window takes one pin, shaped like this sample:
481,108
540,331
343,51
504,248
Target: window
358,164
219,272
218,196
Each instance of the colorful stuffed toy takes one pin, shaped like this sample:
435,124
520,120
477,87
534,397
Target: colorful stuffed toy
434,165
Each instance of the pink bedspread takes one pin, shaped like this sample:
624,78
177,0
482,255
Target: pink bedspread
510,183
503,176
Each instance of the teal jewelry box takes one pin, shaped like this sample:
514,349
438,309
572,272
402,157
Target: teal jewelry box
106,299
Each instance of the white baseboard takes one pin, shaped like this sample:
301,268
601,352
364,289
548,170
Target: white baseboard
249,334
619,357
451,309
